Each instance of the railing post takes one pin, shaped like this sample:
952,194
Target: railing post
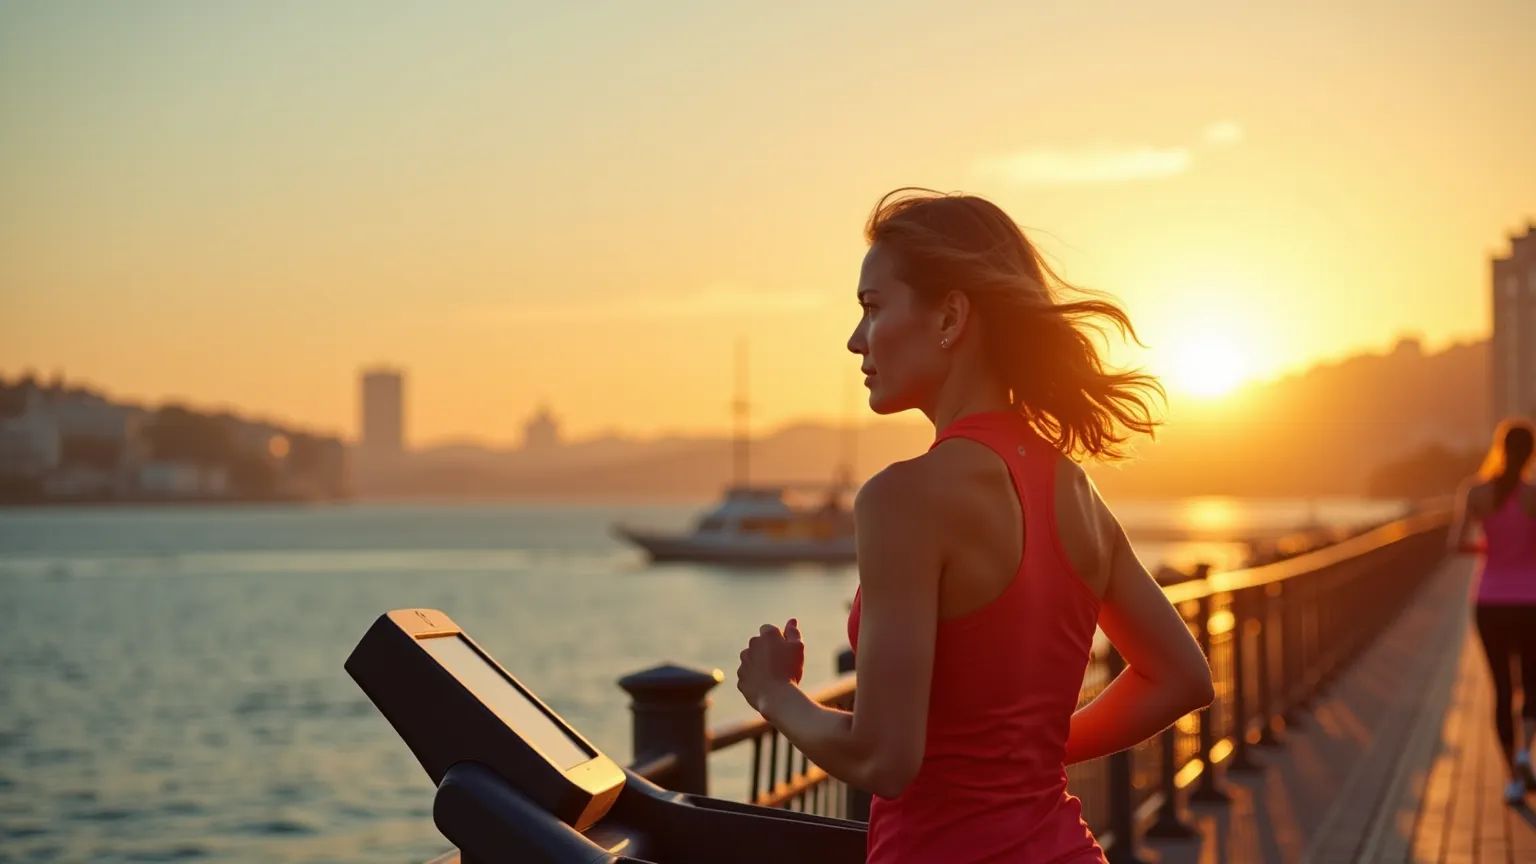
1209,788
1170,816
1311,642
1266,617
1341,609
1355,635
1122,804
855,801
1292,673
1242,757
1325,605
668,704
844,661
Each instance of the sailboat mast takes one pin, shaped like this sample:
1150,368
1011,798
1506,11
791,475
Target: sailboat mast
740,407
850,436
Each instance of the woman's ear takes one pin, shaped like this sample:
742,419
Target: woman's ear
954,316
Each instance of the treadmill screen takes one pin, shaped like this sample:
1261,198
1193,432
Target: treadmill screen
492,688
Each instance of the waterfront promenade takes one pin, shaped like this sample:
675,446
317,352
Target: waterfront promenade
1397,761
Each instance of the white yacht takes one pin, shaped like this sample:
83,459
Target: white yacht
760,525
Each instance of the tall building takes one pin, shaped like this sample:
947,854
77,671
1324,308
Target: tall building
542,432
1514,329
383,412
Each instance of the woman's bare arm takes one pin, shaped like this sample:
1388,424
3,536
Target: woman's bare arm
1465,516
879,745
1166,675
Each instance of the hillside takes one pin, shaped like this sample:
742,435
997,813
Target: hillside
1322,432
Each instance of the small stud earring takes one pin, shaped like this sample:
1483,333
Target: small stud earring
944,343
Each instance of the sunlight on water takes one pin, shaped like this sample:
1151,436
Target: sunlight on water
1208,515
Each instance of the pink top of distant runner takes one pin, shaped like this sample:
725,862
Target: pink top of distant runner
1507,576
992,786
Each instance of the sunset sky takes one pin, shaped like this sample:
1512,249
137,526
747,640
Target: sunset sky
243,204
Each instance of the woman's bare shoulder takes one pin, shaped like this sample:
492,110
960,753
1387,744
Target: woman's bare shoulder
1087,529
911,487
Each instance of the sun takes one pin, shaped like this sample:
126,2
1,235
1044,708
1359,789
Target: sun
1209,365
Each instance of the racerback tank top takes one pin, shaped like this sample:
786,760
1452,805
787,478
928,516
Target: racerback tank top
1507,574
1006,678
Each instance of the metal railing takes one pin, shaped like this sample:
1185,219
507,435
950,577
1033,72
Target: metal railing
1274,636
781,776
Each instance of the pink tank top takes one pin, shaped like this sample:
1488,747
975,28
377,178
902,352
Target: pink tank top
1507,574
992,786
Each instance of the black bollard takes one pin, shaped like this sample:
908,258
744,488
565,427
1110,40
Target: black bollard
668,704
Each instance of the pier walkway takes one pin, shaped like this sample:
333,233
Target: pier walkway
1397,761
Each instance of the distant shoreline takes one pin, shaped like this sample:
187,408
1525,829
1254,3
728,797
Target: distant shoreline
618,498
113,502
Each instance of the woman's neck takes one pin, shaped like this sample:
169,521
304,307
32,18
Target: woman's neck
950,407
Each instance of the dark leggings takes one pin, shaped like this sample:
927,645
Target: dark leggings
1509,632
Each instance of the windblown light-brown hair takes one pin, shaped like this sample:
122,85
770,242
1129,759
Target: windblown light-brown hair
1039,343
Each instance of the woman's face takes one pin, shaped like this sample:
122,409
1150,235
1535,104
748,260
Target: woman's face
898,338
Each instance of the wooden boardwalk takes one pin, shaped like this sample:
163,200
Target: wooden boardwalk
1461,812
1397,762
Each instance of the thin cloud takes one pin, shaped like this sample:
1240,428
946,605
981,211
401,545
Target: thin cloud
1103,163
716,301
1095,165
737,299
1223,133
